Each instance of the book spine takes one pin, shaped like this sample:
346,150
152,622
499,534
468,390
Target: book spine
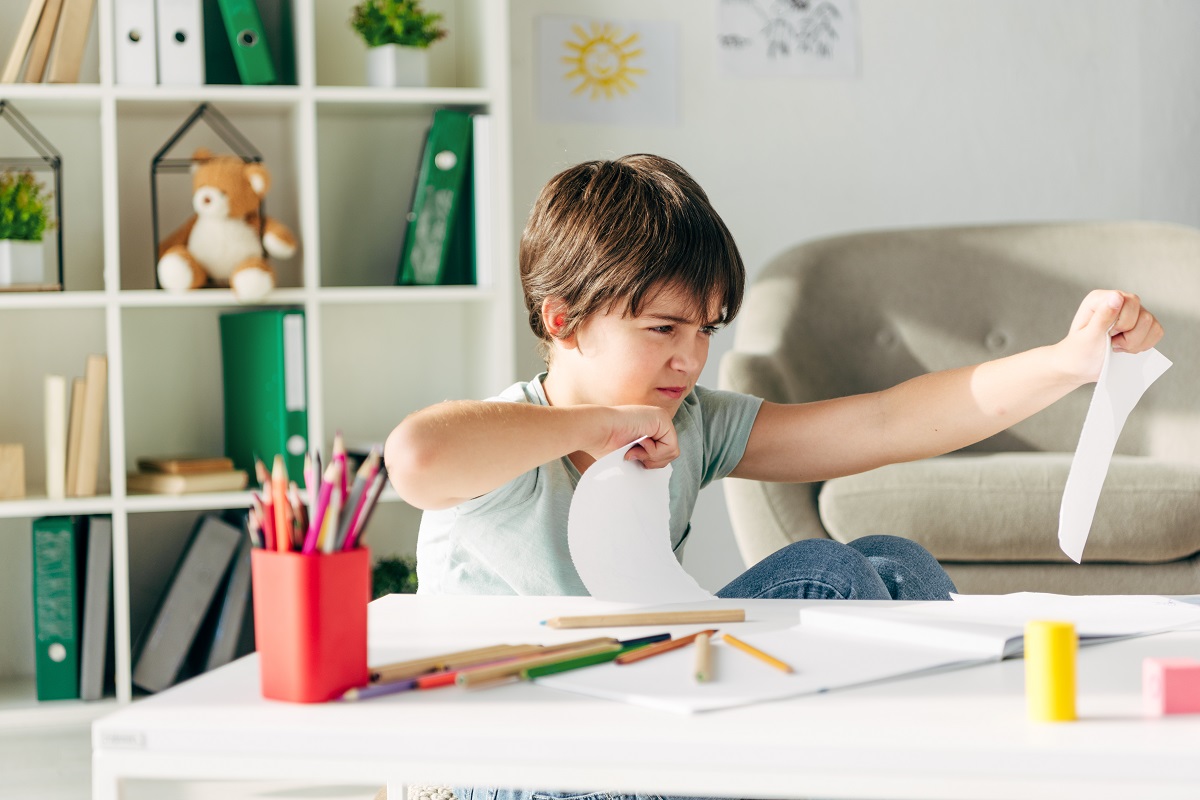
188,598
56,436
95,391
248,41
429,255
97,593
56,543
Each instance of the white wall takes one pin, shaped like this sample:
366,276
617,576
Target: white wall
964,111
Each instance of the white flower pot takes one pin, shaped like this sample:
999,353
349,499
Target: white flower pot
392,65
21,262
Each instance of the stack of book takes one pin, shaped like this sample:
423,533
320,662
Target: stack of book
186,475
50,42
73,445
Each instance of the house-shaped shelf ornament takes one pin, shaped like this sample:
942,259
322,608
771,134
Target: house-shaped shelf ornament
44,160
164,163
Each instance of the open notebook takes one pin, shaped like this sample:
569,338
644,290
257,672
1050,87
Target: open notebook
837,645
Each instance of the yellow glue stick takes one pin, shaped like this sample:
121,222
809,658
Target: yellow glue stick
1050,670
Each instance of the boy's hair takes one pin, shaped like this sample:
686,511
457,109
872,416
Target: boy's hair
605,233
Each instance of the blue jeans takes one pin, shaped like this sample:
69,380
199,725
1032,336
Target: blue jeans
870,568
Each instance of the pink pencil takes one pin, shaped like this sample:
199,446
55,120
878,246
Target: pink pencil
372,495
314,524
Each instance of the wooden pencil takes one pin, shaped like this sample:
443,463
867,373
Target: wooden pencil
512,669
703,658
649,618
413,668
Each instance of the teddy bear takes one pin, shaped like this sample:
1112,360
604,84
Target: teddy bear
223,243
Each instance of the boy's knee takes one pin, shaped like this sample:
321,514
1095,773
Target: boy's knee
884,546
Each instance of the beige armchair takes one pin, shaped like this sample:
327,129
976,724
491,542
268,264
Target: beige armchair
861,312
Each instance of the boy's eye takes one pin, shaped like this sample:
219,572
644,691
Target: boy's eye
709,330
663,328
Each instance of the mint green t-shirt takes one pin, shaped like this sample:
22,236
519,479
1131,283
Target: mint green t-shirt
513,540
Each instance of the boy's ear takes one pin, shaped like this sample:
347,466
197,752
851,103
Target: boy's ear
554,317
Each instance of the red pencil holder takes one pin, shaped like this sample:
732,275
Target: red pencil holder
310,622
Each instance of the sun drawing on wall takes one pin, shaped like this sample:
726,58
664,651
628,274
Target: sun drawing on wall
600,60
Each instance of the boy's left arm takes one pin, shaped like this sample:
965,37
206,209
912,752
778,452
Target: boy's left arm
942,411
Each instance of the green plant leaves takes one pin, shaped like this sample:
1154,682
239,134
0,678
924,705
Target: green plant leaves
23,207
401,22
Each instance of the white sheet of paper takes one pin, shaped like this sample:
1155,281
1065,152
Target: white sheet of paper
619,534
1124,378
821,659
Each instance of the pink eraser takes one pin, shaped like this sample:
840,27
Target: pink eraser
1171,685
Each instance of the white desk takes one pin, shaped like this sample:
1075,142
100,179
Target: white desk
956,734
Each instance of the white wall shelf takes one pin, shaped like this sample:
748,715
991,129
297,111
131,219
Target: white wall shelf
343,158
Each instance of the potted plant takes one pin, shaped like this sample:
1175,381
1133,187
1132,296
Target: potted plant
24,217
398,34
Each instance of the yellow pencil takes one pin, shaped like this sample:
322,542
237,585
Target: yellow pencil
754,651
703,658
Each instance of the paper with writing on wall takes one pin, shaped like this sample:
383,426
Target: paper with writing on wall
619,534
1123,380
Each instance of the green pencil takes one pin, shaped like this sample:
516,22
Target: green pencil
576,663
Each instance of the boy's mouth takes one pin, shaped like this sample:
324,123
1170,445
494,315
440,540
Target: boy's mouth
673,392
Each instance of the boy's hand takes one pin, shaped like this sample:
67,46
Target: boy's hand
1133,329
659,448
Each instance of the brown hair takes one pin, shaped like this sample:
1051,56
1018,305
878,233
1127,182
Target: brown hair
606,232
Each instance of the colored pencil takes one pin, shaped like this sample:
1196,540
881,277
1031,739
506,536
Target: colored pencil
662,647
283,511
484,675
566,665
260,471
333,513
360,526
314,523
649,618
268,517
358,495
339,456
703,659
367,692
445,661
754,651
645,640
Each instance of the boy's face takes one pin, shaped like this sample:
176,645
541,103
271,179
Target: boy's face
653,358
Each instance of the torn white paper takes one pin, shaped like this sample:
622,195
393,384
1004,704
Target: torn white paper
619,534
1124,378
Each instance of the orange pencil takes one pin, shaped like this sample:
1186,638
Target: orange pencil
283,509
660,647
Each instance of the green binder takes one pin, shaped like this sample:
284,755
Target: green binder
437,244
248,40
57,576
265,389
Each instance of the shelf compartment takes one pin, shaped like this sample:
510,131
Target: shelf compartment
37,343
455,61
172,383
143,127
361,240
74,132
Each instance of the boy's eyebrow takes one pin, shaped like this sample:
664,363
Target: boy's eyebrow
678,320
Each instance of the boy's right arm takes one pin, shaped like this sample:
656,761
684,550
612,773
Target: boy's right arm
451,452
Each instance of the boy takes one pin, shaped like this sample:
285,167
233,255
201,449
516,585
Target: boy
627,270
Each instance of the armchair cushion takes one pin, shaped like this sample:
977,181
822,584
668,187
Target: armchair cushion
1004,507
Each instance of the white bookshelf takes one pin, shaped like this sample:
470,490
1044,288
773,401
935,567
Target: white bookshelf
343,157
